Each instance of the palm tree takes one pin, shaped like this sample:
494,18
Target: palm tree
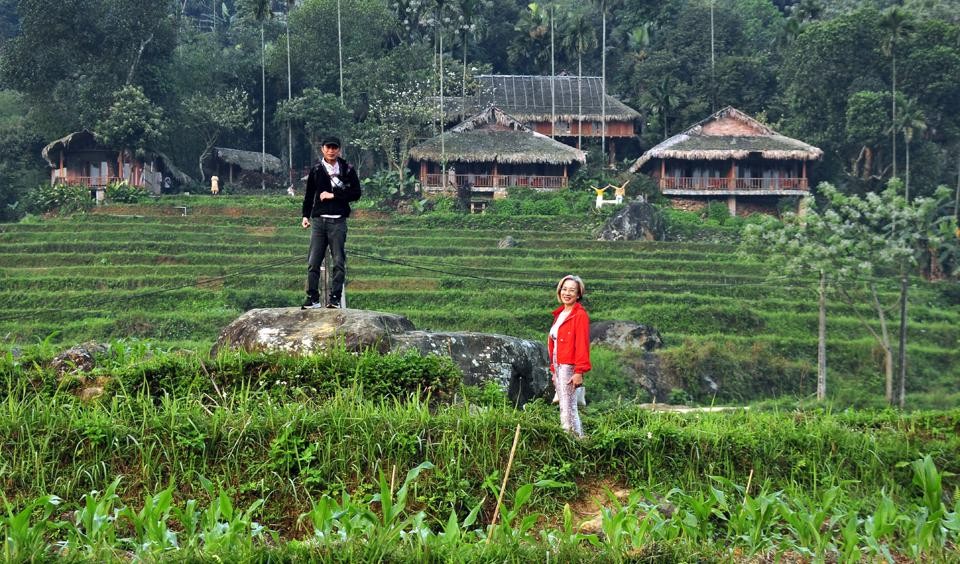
897,26
533,25
662,99
910,122
579,38
603,79
467,13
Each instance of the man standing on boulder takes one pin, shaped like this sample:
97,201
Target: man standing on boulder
332,185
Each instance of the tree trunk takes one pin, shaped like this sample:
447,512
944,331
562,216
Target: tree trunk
893,111
603,86
290,177
553,78
136,59
906,191
822,340
263,112
884,340
443,118
904,287
580,104
956,198
340,49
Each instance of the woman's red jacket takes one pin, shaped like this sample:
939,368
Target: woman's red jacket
573,340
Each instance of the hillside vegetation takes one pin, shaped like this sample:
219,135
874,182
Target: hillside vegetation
180,455
148,272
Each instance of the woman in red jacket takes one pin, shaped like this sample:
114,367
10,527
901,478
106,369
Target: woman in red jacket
569,348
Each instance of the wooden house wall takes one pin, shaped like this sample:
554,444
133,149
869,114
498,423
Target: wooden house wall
564,128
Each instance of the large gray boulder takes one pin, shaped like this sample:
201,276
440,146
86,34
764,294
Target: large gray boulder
623,335
637,221
642,364
79,358
299,331
518,366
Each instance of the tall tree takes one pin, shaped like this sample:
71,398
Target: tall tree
853,241
211,115
910,122
319,114
286,20
896,24
661,100
467,26
132,123
579,38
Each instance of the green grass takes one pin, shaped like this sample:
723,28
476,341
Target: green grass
289,459
146,274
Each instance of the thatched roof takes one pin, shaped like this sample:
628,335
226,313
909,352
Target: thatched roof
527,98
494,136
249,160
87,140
729,134
83,138
176,173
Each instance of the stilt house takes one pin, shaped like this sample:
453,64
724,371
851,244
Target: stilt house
567,108
80,159
490,152
730,156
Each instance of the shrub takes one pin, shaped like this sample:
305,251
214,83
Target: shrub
727,371
387,186
718,212
123,192
63,198
525,201
396,375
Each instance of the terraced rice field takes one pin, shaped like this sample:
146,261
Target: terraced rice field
180,279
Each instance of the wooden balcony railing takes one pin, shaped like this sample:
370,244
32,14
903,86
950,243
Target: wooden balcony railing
482,182
91,181
731,184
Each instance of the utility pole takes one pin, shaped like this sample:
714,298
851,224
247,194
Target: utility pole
553,80
290,173
713,64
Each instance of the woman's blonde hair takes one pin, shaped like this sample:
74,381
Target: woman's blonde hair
581,289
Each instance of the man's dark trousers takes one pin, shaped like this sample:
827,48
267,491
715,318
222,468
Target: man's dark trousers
326,232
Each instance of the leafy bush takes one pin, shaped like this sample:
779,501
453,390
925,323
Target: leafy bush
123,192
718,212
726,371
524,201
387,185
63,198
379,375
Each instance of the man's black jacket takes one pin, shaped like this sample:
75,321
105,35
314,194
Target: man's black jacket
319,181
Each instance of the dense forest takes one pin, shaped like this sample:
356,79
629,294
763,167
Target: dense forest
868,81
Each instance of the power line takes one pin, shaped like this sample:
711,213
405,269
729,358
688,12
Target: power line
428,267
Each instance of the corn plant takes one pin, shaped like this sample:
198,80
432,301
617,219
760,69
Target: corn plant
752,523
514,529
93,532
808,521
225,529
881,526
151,525
567,538
25,539
850,550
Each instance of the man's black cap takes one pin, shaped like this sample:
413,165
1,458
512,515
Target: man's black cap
331,140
